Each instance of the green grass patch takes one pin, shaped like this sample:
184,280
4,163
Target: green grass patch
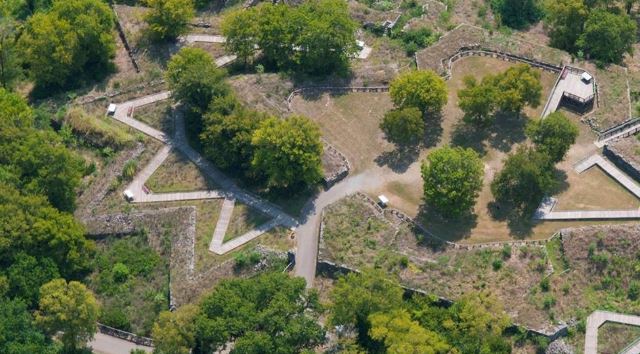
243,220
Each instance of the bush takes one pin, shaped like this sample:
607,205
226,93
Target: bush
244,259
129,170
120,272
506,251
497,264
116,318
97,131
634,291
544,284
548,301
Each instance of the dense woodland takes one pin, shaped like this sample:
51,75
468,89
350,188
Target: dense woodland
50,47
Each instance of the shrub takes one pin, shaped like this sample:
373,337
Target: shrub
497,264
129,170
506,251
634,291
544,284
116,318
120,272
548,301
97,131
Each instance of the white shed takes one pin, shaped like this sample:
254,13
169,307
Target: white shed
128,195
383,201
586,77
111,109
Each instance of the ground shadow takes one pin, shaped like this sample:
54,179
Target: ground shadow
519,219
399,159
507,129
433,129
446,228
469,136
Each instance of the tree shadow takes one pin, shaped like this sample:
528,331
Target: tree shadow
450,229
433,129
469,136
400,158
508,129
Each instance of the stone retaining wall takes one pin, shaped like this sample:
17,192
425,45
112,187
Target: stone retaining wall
123,37
114,332
342,171
617,157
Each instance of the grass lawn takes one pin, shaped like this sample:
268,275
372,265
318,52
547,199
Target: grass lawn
243,220
131,281
613,337
179,174
159,115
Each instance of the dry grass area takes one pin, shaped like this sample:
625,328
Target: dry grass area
243,220
159,115
350,122
613,337
263,92
179,174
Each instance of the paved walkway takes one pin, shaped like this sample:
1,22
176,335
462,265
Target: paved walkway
206,38
597,319
632,129
611,170
104,344
222,225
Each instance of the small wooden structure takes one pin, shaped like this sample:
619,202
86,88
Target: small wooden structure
128,195
111,109
383,201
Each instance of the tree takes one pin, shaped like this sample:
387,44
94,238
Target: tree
524,180
565,19
18,333
607,36
452,180
478,101
517,13
517,86
403,126
168,19
401,334
271,310
288,152
29,224
422,89
357,296
226,138
240,28
72,41
27,274
70,308
194,78
10,69
174,332
553,135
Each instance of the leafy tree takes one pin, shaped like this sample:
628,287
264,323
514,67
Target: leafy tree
565,19
22,9
240,27
70,308
226,138
517,13
357,296
524,180
422,89
73,40
29,224
174,332
288,152
607,36
517,86
403,126
27,274
194,78
553,135
168,19
477,101
10,69
271,310
401,334
452,180
18,333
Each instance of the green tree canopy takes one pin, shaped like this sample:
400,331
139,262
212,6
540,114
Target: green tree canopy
271,310
553,135
317,37
517,87
175,332
357,296
168,19
18,333
288,152
524,180
26,275
452,180
403,126
71,42
607,36
70,308
402,335
516,13
565,19
478,101
423,89
226,137
10,69
194,78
